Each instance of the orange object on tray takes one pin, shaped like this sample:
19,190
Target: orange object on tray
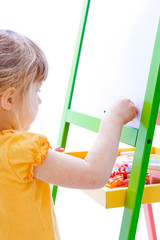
117,181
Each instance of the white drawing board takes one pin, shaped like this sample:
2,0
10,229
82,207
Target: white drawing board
116,55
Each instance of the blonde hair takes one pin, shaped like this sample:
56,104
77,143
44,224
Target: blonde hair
22,62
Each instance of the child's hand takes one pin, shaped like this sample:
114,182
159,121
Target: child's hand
123,110
59,149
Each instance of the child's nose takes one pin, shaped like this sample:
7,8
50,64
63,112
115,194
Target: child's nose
39,100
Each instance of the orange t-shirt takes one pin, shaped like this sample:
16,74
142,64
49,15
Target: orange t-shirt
26,206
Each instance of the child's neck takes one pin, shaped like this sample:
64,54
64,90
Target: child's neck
5,121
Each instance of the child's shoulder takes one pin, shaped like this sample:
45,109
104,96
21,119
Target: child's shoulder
18,139
22,150
19,134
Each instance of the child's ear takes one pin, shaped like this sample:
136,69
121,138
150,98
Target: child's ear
8,98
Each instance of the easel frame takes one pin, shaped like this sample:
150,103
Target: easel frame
140,138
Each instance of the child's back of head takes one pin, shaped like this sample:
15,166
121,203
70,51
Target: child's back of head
22,65
21,62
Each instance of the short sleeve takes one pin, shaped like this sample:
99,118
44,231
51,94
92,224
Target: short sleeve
25,151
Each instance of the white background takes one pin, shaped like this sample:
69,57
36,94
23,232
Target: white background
53,25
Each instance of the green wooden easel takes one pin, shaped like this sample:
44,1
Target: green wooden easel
140,138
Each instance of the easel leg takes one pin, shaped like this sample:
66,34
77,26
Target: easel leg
150,221
54,193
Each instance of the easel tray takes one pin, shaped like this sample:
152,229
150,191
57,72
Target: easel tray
113,198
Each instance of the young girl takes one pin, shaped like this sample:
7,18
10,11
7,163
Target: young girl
27,164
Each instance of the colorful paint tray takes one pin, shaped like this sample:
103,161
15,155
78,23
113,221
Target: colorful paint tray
112,198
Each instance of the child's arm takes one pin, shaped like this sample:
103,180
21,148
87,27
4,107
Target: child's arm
94,171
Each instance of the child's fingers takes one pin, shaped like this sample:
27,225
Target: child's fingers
59,149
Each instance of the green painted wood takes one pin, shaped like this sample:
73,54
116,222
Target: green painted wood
63,133
82,120
64,127
143,147
128,136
